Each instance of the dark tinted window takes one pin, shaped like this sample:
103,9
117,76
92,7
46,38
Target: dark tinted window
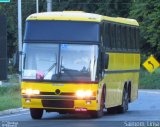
131,38
123,37
134,37
137,38
107,43
113,36
118,36
62,31
128,38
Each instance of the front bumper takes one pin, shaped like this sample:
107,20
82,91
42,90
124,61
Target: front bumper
59,102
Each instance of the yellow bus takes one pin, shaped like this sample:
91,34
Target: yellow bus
78,62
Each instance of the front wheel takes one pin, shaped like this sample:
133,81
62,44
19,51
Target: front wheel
99,113
36,113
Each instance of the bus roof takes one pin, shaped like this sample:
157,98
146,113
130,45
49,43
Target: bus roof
80,16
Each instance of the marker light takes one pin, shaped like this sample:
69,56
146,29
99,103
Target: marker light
82,93
30,92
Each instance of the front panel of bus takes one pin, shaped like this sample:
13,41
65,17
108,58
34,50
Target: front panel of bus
60,61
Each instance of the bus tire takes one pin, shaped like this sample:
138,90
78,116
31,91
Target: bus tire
125,100
36,113
111,110
99,113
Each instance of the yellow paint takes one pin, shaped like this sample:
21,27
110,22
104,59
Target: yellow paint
79,16
151,64
115,82
63,87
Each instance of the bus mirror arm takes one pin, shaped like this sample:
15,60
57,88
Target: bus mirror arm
106,60
16,60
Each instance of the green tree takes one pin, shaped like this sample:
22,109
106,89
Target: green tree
147,12
9,10
78,5
105,7
119,8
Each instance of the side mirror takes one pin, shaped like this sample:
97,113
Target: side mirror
106,61
16,60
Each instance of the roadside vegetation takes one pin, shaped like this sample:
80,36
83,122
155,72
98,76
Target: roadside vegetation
10,97
149,80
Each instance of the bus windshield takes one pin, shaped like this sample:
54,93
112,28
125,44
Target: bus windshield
60,62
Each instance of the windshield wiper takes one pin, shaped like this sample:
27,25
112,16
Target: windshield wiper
51,67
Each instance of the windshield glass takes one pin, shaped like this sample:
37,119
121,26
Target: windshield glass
40,59
60,62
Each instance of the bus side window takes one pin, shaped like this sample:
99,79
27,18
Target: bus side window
137,39
125,38
128,39
107,36
106,61
102,34
113,36
132,38
118,37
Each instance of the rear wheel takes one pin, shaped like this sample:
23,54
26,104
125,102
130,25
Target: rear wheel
122,108
36,113
125,99
111,110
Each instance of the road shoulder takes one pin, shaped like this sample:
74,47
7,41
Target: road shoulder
12,111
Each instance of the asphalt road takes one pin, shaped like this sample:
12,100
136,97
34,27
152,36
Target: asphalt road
146,108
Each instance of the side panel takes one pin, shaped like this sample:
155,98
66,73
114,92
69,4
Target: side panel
123,68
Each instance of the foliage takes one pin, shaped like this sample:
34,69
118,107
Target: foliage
148,80
147,12
11,13
10,97
105,7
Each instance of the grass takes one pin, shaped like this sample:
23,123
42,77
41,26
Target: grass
10,97
149,80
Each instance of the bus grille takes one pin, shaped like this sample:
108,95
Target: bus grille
58,103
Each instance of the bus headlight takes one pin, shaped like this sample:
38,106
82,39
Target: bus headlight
88,93
30,92
82,93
